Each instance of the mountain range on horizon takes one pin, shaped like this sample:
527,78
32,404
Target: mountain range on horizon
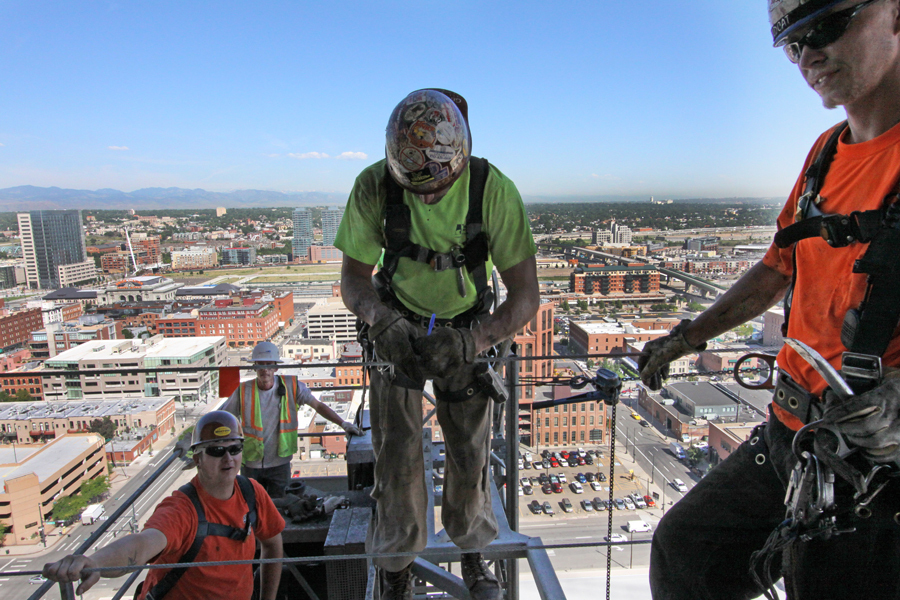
29,197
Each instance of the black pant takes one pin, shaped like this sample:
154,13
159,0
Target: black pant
273,479
702,547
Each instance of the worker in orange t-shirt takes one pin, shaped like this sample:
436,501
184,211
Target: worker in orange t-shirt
170,531
834,532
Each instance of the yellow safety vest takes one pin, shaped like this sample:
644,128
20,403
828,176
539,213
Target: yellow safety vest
251,420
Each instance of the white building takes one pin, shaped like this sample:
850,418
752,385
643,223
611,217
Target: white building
330,319
141,289
156,351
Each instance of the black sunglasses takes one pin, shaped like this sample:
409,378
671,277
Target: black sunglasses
219,451
827,31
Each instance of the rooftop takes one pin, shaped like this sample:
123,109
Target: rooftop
50,458
702,393
64,409
155,347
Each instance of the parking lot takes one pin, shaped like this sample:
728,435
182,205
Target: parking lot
563,496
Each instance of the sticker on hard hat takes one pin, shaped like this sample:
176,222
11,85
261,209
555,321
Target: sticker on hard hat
411,159
222,431
441,154
421,134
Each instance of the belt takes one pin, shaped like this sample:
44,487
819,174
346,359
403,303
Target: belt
791,397
460,321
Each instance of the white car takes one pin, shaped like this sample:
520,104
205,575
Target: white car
595,485
538,465
562,478
582,453
616,537
528,457
679,485
629,503
576,487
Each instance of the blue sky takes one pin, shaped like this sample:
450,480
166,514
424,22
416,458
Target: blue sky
663,98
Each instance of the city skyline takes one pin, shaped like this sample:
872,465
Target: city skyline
687,101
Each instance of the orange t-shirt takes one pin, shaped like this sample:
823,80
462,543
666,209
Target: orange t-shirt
176,518
859,178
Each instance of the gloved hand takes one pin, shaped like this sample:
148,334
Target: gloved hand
658,353
442,353
870,420
351,428
392,337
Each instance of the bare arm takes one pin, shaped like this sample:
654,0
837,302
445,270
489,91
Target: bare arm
270,575
754,293
135,549
522,301
359,293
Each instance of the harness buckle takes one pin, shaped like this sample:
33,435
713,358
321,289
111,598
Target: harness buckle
861,366
839,231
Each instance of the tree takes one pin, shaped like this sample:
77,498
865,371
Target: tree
104,427
582,304
94,489
694,306
68,507
694,455
4,529
127,334
564,305
23,396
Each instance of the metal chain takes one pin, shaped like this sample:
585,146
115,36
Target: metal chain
612,485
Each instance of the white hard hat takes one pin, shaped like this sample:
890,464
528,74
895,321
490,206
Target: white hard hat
266,352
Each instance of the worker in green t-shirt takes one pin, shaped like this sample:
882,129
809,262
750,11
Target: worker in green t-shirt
436,221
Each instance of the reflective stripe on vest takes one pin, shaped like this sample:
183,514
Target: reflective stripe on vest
251,420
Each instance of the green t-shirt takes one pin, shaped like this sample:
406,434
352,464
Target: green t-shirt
439,227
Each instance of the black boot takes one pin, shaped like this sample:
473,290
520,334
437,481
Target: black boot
397,585
481,582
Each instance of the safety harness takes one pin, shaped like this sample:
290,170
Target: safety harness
473,255
867,330
204,529
813,510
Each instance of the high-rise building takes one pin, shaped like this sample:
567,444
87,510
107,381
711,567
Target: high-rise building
303,232
331,219
239,256
54,248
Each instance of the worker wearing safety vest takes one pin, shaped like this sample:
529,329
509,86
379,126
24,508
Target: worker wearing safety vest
267,407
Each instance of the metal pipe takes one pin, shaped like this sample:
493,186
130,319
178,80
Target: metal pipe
512,495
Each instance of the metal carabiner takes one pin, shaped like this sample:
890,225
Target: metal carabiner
767,384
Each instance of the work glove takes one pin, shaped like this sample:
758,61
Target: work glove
351,428
870,421
393,336
445,351
658,353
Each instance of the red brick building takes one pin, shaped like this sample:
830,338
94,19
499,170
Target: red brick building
242,325
607,280
11,383
578,424
16,327
146,252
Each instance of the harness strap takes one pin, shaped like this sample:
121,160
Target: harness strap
398,224
204,529
806,207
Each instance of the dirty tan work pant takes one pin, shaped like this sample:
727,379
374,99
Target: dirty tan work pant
396,418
